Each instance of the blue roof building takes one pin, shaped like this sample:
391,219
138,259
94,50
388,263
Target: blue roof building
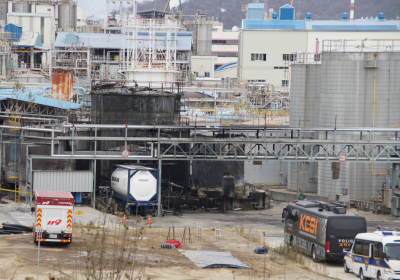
267,47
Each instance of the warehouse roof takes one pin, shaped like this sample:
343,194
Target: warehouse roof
35,96
117,41
354,25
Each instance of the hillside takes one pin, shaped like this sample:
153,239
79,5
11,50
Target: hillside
321,9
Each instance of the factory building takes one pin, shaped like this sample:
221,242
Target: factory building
267,47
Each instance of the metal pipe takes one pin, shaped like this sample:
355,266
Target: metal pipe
159,187
373,114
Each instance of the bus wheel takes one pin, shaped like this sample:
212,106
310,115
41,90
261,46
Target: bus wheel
314,254
362,277
378,276
346,269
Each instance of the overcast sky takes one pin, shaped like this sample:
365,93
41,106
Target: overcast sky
97,7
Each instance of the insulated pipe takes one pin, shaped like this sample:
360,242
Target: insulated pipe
352,10
373,112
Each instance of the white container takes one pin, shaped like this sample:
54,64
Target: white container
135,182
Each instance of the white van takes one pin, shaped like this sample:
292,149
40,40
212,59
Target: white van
375,256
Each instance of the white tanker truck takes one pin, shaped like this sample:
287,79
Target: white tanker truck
135,188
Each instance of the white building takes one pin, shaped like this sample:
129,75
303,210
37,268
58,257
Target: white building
224,44
267,47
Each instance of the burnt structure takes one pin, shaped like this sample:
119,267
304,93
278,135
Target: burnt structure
116,104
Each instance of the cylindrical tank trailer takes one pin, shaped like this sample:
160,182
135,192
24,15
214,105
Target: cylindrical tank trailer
135,185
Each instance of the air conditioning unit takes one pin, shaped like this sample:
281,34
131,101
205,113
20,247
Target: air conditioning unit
339,210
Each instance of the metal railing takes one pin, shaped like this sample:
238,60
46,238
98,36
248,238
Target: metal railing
361,46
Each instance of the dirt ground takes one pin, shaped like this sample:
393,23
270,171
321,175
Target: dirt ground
136,253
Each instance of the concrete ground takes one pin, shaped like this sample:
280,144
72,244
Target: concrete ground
265,223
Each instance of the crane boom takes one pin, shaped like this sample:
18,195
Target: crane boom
292,3
166,6
180,4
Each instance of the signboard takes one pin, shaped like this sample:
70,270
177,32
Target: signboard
342,158
125,153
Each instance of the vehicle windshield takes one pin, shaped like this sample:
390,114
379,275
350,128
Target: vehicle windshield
392,251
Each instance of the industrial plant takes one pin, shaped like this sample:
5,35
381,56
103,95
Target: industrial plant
156,111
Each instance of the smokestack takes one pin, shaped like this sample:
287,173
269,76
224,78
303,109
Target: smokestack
352,10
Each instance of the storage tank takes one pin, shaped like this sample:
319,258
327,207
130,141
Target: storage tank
228,185
3,13
67,16
21,7
352,85
304,103
135,182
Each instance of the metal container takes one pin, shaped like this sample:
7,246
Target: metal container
67,17
67,181
62,85
387,198
3,12
228,185
21,7
135,182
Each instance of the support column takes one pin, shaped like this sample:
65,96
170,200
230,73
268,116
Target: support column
159,187
32,59
94,184
394,211
88,70
50,64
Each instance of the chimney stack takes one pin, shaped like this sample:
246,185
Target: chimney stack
352,10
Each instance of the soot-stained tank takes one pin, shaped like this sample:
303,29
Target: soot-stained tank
112,104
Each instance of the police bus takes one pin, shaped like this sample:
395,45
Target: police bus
375,255
321,230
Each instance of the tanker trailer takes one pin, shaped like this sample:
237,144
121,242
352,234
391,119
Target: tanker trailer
135,189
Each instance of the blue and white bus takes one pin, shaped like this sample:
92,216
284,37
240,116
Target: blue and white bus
375,256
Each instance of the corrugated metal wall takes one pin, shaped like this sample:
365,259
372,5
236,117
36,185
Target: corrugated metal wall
63,181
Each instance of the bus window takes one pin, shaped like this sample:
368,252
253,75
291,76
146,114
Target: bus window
365,248
378,250
358,247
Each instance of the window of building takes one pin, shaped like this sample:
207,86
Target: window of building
285,82
49,10
207,74
214,29
289,57
258,57
317,57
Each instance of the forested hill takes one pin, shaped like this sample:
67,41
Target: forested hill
321,9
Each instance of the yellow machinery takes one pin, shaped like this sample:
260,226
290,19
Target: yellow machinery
166,6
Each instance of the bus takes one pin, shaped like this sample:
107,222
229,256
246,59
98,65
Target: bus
321,230
375,256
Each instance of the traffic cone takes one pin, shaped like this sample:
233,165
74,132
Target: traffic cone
149,221
124,219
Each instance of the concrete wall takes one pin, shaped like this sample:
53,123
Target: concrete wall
268,173
202,64
274,43
33,22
